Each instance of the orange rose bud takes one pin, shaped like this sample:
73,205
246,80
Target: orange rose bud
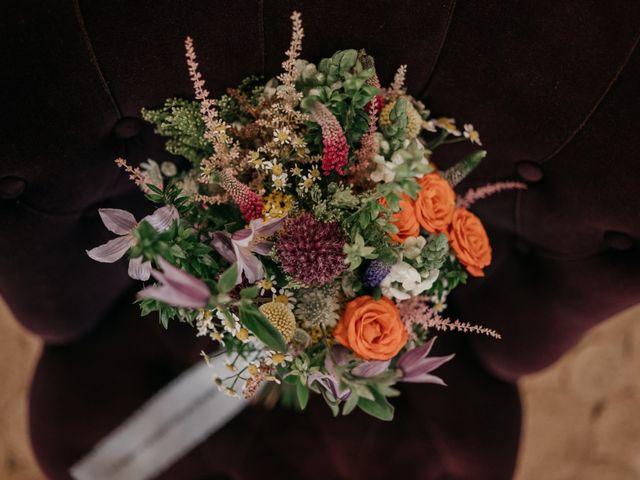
371,328
469,241
405,220
435,203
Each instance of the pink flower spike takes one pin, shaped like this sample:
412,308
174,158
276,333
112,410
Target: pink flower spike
335,150
249,202
177,287
416,366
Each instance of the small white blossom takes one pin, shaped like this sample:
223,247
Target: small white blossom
404,281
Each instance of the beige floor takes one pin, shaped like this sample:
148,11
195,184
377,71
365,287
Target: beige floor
582,415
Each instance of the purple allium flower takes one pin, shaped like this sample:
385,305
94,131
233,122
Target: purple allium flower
375,273
311,251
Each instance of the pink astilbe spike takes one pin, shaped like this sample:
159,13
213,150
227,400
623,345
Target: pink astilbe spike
335,149
249,202
474,194
417,311
397,86
368,146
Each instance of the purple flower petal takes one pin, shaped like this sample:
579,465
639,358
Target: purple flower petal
425,378
162,218
426,365
249,264
370,369
222,243
111,251
415,354
266,229
416,366
184,282
117,221
330,384
263,247
139,270
170,296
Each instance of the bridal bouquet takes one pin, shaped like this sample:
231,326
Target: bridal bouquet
312,236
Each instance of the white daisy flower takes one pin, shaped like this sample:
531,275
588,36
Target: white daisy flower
472,134
268,284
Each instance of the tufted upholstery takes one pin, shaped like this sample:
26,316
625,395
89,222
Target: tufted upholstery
551,86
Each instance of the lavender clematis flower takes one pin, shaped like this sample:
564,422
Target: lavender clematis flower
123,224
416,366
243,244
371,369
177,287
329,381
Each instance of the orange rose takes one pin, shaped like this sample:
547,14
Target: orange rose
470,242
435,203
371,328
405,220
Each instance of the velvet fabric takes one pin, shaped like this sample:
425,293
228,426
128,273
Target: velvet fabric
552,88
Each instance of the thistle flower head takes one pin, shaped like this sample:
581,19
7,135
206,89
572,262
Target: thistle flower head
317,306
311,251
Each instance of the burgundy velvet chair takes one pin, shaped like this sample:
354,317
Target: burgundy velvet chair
551,86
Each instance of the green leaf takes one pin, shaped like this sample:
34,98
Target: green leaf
379,408
228,279
350,404
303,394
258,324
249,292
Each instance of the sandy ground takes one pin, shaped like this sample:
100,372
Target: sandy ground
581,414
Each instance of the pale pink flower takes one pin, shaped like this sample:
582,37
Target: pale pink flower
416,366
123,223
243,244
177,287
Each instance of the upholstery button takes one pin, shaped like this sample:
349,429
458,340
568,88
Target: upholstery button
618,240
11,187
127,127
529,171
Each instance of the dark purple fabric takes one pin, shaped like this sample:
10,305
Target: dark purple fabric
551,86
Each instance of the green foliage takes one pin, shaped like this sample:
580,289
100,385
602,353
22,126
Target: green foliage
230,110
464,167
395,132
258,324
340,83
436,251
181,122
452,274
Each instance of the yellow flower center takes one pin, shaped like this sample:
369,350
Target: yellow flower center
277,358
267,284
282,298
242,334
277,169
